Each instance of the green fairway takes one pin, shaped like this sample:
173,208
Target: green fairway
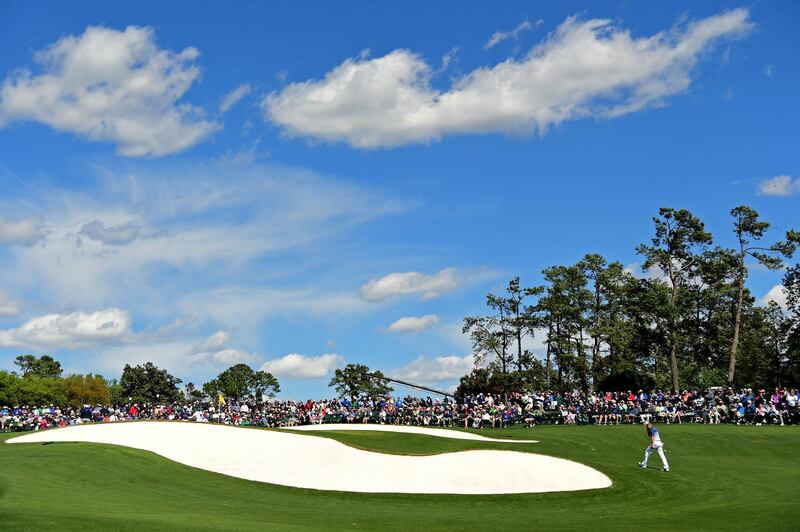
723,477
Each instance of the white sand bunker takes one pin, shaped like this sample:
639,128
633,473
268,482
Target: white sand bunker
321,463
427,431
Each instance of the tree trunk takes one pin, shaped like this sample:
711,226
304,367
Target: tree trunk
558,355
673,355
596,361
584,363
519,348
736,325
596,346
548,366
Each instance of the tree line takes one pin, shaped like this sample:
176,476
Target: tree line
691,322
39,380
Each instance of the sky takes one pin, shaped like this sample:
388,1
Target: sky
297,186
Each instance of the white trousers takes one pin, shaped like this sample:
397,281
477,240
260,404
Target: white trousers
659,448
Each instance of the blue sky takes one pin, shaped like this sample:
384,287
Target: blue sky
301,186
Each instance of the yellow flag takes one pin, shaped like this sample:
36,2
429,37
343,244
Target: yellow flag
221,399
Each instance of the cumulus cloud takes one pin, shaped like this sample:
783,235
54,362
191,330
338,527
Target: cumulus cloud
117,235
413,283
777,294
216,341
113,86
413,324
435,370
782,185
23,232
8,306
500,36
585,68
233,97
236,356
215,349
296,366
71,331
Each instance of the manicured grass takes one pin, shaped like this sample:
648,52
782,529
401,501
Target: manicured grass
723,477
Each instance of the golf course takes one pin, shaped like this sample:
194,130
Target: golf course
722,477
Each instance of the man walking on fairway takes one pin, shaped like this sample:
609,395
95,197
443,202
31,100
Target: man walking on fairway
655,445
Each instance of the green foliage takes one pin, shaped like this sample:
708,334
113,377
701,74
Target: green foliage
148,384
483,380
41,384
790,329
86,390
629,377
352,381
679,242
115,392
748,230
265,383
708,377
44,366
497,338
688,321
192,393
240,382
30,390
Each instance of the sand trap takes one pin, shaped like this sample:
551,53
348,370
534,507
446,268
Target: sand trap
302,461
427,431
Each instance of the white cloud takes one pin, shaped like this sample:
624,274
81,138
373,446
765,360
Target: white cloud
415,283
453,334
169,355
216,341
8,306
189,220
583,69
215,348
768,69
500,36
449,58
71,331
435,370
413,324
233,97
295,366
236,356
246,306
115,86
777,294
653,273
781,185
117,235
23,232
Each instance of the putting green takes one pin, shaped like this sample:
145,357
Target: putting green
723,477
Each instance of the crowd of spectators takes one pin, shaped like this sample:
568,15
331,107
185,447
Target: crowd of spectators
715,405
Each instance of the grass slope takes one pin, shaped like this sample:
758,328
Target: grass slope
723,477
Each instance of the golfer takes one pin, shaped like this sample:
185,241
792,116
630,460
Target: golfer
655,445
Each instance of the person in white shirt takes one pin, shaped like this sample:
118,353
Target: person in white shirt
791,399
